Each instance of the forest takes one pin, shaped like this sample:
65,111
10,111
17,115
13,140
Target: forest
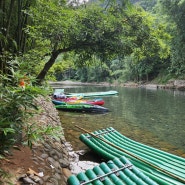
93,41
88,41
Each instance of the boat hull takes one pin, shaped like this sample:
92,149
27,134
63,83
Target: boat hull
82,108
97,101
93,94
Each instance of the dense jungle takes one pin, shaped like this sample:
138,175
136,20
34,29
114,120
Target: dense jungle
87,41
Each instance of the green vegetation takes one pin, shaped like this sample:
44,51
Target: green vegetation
16,107
96,41
80,40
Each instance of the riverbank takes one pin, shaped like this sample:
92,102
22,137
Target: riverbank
172,84
53,160
50,161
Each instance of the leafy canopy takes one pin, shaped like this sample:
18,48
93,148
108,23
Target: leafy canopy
107,32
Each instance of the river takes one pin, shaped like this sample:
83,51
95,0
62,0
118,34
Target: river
151,116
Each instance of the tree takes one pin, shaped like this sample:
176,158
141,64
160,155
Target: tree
148,5
84,30
107,32
13,21
175,11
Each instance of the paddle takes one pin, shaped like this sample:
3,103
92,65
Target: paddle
121,149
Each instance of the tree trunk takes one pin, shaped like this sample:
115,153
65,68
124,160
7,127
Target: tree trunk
2,22
2,26
19,15
147,77
47,66
24,23
9,16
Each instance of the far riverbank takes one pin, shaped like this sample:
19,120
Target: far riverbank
173,84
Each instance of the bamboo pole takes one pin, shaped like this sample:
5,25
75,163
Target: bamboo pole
135,156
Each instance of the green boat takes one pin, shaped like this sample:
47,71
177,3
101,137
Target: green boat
119,171
162,167
82,107
93,94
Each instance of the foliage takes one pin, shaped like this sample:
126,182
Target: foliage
85,30
178,44
4,176
34,133
96,72
107,31
16,103
38,32
64,67
175,11
13,40
147,5
141,35
147,43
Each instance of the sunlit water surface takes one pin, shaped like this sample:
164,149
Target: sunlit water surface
153,117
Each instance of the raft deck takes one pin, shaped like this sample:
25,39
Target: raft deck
162,167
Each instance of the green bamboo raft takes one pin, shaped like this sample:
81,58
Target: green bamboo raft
162,167
118,171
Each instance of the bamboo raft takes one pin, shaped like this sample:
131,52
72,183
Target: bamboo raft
162,167
116,171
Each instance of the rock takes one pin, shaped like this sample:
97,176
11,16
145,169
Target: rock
41,182
66,172
44,156
151,86
20,178
64,163
47,146
57,176
81,152
56,164
35,178
45,178
49,183
28,180
82,166
55,157
53,181
50,160
179,82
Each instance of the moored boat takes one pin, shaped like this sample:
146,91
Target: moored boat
58,102
93,94
72,100
82,108
162,167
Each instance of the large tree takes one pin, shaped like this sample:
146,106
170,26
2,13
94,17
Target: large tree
85,30
106,31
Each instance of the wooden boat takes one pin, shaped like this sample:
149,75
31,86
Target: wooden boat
82,108
93,94
96,101
162,167
119,171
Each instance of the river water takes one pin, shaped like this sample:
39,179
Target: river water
150,116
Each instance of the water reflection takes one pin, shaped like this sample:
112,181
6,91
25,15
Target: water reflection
153,117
